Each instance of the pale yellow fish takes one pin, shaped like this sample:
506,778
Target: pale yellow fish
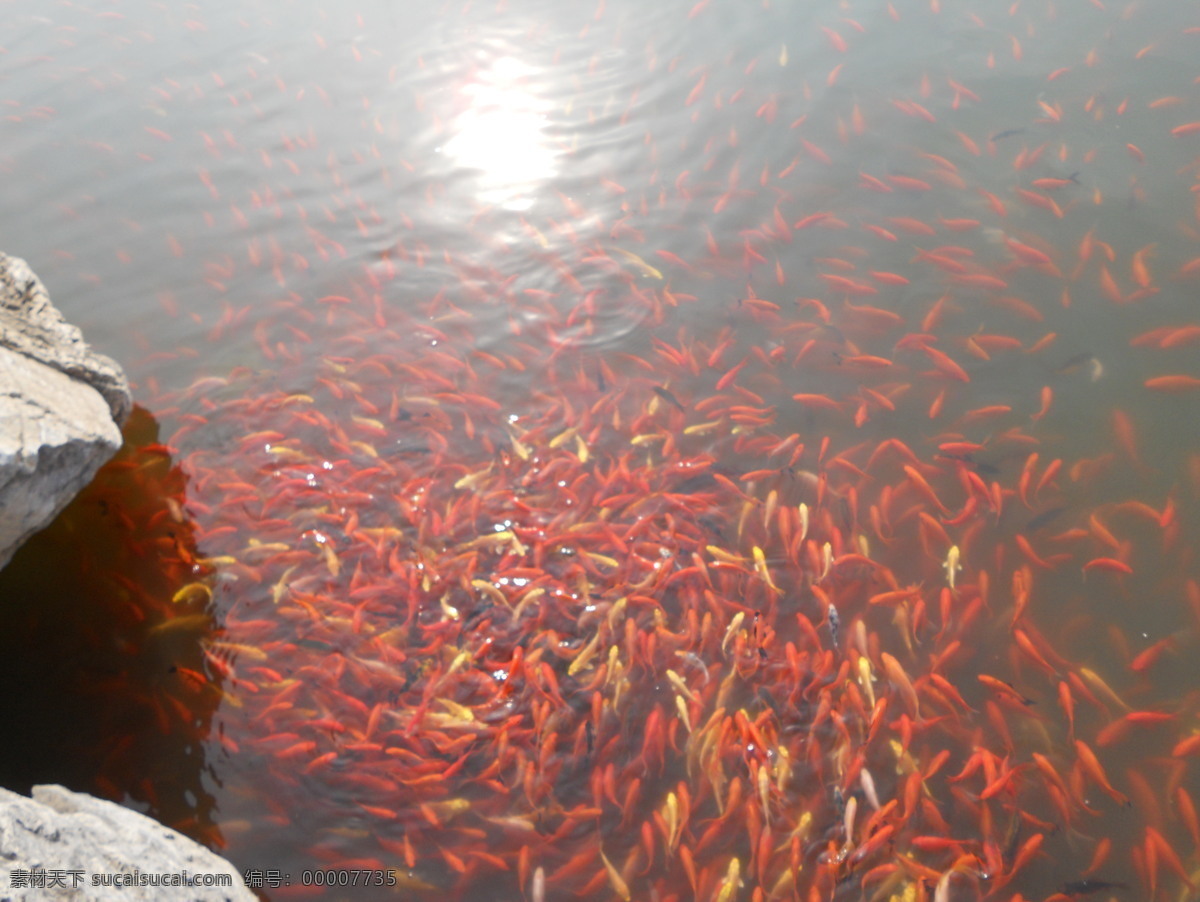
783,768
497,538
826,559
614,877
380,532
369,422
461,712
727,557
514,822
727,687
281,586
848,817
331,558
585,655
520,447
681,707
193,593
256,548
421,399
760,565
457,664
490,591
671,816
450,808
731,883
785,880
679,684
864,679
769,508
614,667
541,239
747,507
528,598
191,622
563,437
240,650
699,428
616,611
867,782
642,265
1097,683
905,763
802,826
896,674
734,625
228,696
952,566
366,448
473,479
646,438
764,792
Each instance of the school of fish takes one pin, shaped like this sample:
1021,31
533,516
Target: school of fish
788,590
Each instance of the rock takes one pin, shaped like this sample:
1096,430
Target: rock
33,327
60,408
74,840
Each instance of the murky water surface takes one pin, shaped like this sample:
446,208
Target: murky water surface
718,451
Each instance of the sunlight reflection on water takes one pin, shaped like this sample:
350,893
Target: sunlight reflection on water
501,136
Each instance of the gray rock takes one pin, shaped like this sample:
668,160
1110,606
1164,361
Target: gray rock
74,839
60,407
32,326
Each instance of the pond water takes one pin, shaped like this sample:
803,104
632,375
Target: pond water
721,450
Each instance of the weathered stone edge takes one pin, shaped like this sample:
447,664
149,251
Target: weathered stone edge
30,324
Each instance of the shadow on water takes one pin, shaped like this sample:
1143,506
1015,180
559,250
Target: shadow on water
102,615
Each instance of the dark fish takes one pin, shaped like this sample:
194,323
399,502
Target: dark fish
667,396
839,800
768,701
1014,837
835,624
474,619
846,510
1007,133
403,447
1043,518
979,466
695,483
834,331
315,644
